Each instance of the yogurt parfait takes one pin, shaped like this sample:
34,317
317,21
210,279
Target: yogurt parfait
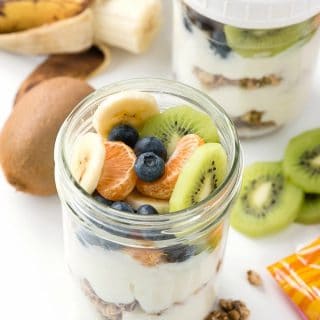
147,171
255,58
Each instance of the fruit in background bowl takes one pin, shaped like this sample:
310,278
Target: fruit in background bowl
269,42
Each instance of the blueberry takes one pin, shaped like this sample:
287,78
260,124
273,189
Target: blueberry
151,144
218,42
146,210
180,253
101,199
122,206
124,133
149,167
187,24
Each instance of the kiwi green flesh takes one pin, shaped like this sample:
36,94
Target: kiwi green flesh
199,177
267,203
176,122
310,211
302,161
268,42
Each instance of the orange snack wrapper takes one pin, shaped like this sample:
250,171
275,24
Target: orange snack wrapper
298,276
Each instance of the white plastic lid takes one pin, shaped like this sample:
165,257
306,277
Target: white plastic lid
257,14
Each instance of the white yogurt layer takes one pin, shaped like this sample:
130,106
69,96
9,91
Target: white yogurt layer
196,307
116,277
280,103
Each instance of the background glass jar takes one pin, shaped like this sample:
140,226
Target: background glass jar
262,77
127,266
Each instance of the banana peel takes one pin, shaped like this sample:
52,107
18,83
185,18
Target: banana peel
19,15
81,65
67,26
69,35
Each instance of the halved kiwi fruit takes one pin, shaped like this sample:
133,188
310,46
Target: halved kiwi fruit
202,173
310,211
302,161
267,42
267,203
174,123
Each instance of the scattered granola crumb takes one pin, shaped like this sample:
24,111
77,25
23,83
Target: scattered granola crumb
254,278
230,310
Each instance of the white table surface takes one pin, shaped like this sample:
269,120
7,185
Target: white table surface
33,277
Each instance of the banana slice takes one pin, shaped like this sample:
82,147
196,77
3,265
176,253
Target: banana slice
127,24
87,161
135,199
129,107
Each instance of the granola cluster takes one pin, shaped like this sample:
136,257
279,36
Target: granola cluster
212,81
109,311
230,310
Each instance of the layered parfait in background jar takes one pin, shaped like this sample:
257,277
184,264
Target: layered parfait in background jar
255,58
147,172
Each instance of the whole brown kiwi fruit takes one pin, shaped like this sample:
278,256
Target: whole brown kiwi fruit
28,136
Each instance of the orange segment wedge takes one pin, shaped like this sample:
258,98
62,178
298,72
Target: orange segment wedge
118,178
163,187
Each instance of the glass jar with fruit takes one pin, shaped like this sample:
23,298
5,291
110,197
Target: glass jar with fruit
147,171
255,58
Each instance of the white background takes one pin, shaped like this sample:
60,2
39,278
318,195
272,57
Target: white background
33,278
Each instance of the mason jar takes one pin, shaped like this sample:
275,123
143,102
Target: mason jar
255,58
128,266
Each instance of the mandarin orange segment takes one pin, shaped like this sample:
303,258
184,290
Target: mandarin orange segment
118,178
163,187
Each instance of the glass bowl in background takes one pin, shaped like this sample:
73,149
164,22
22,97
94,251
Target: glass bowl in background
255,58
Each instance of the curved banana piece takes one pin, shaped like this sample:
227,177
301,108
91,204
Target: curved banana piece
136,199
128,107
69,35
87,161
17,15
127,24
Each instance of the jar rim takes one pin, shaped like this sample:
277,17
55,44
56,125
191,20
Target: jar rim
100,214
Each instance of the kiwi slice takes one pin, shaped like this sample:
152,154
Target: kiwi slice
202,173
267,203
310,211
174,123
267,42
302,161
